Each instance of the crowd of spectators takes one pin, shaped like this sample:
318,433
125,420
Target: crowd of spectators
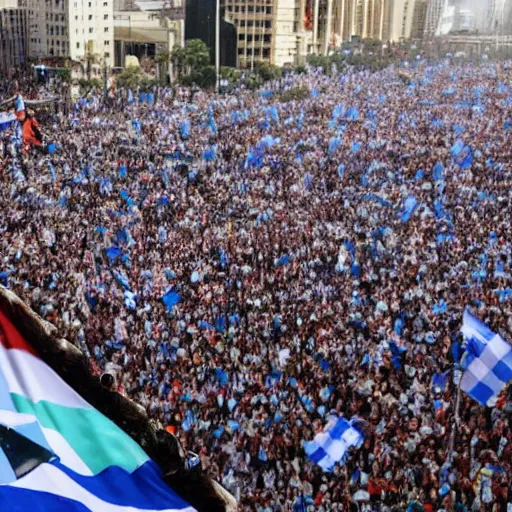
248,266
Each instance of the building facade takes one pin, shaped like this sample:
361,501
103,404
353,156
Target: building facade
267,30
497,16
200,23
362,18
82,30
433,15
13,35
144,34
337,21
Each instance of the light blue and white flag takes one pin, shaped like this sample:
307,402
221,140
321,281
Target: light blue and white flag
332,444
487,361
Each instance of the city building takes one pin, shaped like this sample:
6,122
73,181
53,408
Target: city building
386,20
435,9
447,21
360,18
419,19
145,34
401,19
268,30
13,35
200,23
497,16
82,30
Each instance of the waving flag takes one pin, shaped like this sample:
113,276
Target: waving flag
6,120
59,453
487,361
332,445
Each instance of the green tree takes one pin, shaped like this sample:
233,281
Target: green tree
133,77
162,61
197,55
268,71
178,59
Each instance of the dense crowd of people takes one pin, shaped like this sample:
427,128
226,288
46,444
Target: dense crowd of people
248,267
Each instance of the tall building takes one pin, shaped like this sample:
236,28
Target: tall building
338,21
13,35
386,20
419,19
361,18
433,15
402,19
496,18
200,23
268,30
82,30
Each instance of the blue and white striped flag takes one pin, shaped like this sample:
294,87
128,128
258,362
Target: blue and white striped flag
487,361
333,443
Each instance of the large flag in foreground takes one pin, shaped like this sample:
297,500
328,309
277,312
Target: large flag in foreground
332,444
487,361
58,453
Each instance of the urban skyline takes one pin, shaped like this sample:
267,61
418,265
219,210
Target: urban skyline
281,32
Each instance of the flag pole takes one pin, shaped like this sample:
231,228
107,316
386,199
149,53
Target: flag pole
455,426
217,42
456,422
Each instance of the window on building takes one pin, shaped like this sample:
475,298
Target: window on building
240,51
76,18
105,16
266,38
105,29
266,53
241,37
91,30
90,5
78,46
90,17
105,4
107,43
268,10
107,55
268,24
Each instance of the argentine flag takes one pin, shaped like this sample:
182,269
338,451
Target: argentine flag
58,453
487,361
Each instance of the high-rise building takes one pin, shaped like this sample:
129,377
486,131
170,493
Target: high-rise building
200,23
401,19
361,18
268,30
433,16
386,20
419,19
496,18
82,30
13,35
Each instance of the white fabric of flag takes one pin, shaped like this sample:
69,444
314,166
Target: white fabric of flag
332,444
487,361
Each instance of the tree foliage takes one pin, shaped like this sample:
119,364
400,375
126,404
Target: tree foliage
295,94
133,77
268,71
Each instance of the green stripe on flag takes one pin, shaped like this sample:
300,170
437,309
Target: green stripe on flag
94,438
